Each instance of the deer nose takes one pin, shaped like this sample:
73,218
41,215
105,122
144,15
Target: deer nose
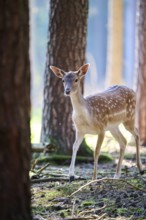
67,91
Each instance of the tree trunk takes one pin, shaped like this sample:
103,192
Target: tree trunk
115,43
14,111
66,50
141,71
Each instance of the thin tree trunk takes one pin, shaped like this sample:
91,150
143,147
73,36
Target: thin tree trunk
66,49
115,42
141,71
14,111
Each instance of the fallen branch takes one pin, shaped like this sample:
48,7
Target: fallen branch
40,148
48,180
107,179
53,179
58,175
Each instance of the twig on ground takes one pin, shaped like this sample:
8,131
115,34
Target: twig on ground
80,218
92,210
101,216
87,184
73,208
33,164
43,168
136,187
87,217
131,217
107,179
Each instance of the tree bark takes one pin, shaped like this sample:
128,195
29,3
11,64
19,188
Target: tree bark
115,43
66,50
15,145
141,71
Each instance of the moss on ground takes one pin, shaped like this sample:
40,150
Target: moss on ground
65,159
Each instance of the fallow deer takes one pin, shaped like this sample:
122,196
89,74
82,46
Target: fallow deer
98,113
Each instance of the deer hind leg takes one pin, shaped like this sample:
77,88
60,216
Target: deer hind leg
130,127
79,139
97,152
122,143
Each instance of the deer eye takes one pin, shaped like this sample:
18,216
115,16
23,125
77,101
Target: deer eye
76,80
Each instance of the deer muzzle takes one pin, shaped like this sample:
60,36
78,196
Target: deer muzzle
67,91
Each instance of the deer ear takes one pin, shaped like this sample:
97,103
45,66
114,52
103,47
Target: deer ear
58,72
83,70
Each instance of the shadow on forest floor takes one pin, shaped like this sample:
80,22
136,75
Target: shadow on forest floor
106,199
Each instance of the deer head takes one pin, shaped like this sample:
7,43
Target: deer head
71,79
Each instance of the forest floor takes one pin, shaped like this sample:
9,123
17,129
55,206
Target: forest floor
107,198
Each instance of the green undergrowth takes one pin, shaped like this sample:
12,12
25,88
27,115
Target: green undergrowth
87,203
129,156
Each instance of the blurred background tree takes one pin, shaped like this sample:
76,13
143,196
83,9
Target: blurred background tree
141,70
115,43
15,145
66,49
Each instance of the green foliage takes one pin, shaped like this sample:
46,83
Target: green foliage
86,148
53,141
87,203
64,213
38,209
105,158
129,156
122,211
68,189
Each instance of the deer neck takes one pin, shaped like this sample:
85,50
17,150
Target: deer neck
78,101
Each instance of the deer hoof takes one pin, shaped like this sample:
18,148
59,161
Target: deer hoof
142,172
71,178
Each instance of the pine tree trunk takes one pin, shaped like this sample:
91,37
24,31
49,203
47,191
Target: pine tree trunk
115,43
141,71
14,111
66,50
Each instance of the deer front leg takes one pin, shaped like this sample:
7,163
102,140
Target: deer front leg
97,152
122,143
79,139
